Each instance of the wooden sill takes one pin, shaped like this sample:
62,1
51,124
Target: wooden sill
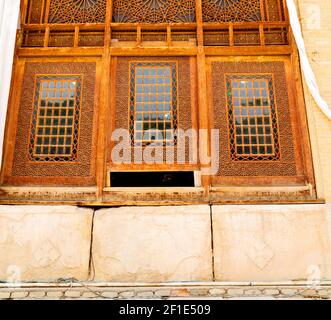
243,189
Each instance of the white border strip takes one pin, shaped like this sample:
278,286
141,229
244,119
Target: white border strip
9,15
305,65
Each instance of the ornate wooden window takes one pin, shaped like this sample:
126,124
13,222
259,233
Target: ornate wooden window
55,120
153,102
252,117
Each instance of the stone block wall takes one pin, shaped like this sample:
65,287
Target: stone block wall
144,244
262,243
44,243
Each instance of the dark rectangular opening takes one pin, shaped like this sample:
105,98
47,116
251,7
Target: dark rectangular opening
152,179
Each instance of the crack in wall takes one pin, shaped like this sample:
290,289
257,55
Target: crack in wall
212,242
91,270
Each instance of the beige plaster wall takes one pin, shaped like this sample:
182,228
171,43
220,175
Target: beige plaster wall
315,18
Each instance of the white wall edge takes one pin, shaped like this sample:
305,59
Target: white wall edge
9,15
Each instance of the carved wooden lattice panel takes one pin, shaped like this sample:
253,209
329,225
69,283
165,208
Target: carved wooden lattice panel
77,11
231,10
252,117
152,11
124,104
56,112
55,120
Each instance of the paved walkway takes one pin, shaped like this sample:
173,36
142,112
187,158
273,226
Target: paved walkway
86,291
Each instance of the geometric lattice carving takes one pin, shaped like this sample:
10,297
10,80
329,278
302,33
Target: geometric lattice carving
252,116
77,11
231,10
55,119
123,84
243,165
153,11
78,168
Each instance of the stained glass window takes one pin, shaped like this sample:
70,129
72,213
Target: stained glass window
252,117
55,121
153,102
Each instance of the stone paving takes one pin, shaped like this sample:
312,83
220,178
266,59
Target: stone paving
86,292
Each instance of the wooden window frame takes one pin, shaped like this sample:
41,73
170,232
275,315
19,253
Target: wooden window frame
72,113
108,53
304,175
272,118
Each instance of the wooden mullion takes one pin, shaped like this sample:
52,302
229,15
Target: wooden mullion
42,12
231,35
267,16
138,35
285,11
24,11
76,39
262,36
169,42
262,10
199,20
204,123
30,4
279,4
46,38
109,14
47,9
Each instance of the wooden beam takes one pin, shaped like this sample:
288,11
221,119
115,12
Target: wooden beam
204,141
47,9
109,13
231,35
24,11
199,20
60,52
46,37
76,39
138,36
169,36
262,38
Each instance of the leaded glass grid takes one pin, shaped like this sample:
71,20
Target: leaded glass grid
55,120
153,103
252,117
